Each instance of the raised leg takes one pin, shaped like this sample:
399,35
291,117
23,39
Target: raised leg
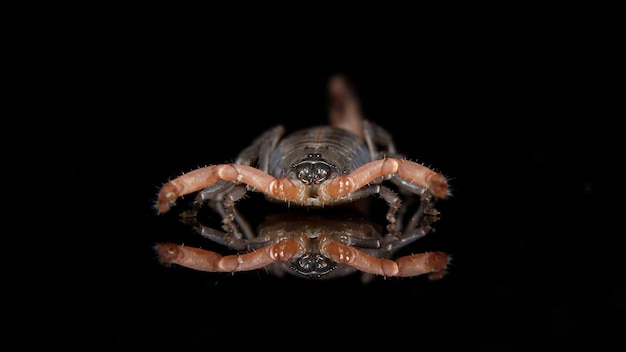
209,177
259,151
378,136
288,190
198,179
410,171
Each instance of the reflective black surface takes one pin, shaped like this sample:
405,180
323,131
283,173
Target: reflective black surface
513,104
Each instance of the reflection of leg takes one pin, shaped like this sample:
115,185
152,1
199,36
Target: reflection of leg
433,263
228,239
203,260
224,205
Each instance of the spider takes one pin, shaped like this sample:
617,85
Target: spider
323,174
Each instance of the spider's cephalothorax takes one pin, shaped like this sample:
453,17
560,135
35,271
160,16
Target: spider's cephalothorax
317,154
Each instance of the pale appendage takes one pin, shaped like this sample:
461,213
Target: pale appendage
199,179
413,172
288,190
432,263
204,260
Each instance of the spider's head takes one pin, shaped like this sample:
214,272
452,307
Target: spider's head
313,170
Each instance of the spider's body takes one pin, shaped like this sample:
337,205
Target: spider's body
318,168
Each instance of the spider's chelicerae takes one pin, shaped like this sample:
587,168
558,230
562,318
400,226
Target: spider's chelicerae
323,175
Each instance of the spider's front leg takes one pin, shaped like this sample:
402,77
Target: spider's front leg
240,171
281,188
414,173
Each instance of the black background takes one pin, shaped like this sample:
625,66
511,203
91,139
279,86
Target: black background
515,103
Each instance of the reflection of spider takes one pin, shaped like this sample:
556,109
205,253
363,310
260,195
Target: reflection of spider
315,246
320,168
